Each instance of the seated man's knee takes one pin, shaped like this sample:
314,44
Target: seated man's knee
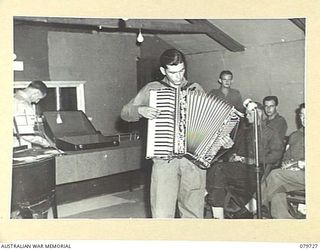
274,174
215,177
216,197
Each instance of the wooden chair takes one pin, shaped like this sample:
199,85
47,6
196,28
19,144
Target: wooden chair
296,200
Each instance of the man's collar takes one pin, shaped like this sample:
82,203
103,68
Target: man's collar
277,114
221,89
165,81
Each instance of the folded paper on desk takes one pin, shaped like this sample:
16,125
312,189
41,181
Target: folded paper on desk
74,131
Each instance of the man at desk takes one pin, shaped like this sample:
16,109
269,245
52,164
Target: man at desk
24,115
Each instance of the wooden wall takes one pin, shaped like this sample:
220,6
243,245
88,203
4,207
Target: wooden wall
149,64
31,47
275,69
107,62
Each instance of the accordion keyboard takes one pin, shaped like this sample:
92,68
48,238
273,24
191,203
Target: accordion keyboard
161,131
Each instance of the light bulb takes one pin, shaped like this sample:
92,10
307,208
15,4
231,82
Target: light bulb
140,38
58,119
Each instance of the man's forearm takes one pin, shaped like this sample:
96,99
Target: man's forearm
130,113
36,140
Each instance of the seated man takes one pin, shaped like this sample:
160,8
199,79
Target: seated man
273,119
291,175
239,172
25,117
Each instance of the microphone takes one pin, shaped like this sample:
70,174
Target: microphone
249,104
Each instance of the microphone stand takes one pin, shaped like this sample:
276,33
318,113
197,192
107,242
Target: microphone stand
257,168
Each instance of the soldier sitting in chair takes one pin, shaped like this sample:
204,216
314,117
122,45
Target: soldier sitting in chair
290,177
230,185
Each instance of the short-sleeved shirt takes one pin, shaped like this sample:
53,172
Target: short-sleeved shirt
24,113
296,150
279,124
25,119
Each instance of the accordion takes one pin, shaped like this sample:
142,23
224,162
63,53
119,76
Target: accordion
191,124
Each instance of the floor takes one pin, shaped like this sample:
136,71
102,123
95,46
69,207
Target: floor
128,204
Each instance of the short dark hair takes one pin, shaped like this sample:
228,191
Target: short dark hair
225,72
301,106
298,113
171,57
260,106
271,98
40,86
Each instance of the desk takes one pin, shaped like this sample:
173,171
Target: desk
94,163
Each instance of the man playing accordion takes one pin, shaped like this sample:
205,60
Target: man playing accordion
178,181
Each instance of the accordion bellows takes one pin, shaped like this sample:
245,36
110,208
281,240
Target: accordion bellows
191,124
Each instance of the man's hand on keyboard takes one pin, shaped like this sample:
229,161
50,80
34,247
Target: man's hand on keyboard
148,112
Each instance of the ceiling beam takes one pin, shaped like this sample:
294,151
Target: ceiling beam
218,35
299,22
195,26
165,26
135,24
62,20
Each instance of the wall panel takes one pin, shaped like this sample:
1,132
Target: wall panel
275,69
107,62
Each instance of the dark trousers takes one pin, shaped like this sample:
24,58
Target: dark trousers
235,177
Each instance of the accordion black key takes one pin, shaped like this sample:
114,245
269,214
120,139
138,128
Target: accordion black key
191,124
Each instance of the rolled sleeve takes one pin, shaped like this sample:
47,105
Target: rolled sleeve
129,111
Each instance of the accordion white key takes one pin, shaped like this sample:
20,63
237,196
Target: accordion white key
191,124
